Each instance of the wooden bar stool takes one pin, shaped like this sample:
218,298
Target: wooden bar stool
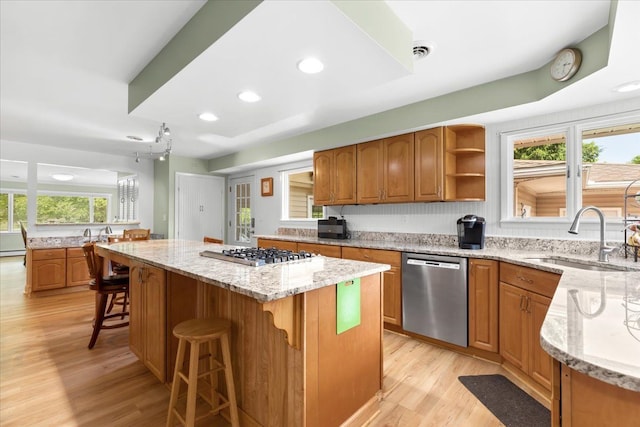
196,332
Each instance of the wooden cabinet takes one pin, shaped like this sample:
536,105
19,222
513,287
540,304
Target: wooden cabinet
47,268
77,270
525,297
589,402
464,163
334,176
279,244
428,180
147,316
483,304
386,170
392,289
332,251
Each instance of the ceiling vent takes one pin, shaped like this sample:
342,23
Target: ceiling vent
421,49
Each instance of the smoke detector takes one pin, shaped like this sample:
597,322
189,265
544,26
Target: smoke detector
421,49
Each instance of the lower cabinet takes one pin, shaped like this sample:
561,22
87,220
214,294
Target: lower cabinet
483,304
392,290
147,316
77,270
525,297
332,251
278,244
47,269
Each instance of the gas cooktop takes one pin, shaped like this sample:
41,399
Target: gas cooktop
256,257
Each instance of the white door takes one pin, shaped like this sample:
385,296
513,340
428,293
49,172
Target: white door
241,221
199,206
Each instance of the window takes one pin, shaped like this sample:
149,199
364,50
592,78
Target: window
554,171
297,196
13,210
71,208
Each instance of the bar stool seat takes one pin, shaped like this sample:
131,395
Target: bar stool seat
196,332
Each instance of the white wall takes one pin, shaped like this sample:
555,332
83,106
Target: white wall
34,154
440,218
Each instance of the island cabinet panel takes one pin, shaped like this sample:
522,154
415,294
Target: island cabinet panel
77,270
392,294
483,304
147,316
47,269
280,244
589,402
428,165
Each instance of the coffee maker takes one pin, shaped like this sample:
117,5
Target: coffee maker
471,232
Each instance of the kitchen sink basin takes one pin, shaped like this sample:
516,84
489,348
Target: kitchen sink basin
576,264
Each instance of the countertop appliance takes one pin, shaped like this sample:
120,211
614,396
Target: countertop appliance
471,232
256,257
434,297
333,228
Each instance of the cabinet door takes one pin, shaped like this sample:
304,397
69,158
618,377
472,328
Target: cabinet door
483,304
540,362
154,336
392,296
513,326
370,172
136,334
428,165
77,272
48,274
398,167
332,251
322,170
344,184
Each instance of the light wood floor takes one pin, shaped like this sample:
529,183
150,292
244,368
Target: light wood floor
48,377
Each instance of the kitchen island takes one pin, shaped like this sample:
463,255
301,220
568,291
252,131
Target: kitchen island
291,367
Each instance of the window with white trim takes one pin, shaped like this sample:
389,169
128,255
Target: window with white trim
551,172
297,195
72,208
13,210
128,192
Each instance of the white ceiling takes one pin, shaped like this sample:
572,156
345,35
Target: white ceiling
65,67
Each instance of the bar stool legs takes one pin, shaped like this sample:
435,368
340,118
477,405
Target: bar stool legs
195,332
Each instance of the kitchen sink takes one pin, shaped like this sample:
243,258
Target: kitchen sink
576,264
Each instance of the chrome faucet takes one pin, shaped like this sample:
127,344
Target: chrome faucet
604,249
107,231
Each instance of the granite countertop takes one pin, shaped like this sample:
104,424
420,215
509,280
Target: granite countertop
55,242
265,283
593,323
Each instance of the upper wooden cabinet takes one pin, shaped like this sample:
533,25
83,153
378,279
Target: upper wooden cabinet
334,176
464,163
428,165
386,170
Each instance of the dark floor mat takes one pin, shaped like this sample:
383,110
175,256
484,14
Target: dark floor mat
512,406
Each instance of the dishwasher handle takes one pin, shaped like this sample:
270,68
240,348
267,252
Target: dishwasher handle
434,264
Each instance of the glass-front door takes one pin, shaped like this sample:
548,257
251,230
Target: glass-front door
241,222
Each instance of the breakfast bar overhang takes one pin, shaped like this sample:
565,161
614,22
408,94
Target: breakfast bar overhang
293,365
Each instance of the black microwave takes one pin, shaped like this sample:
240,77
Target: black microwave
332,228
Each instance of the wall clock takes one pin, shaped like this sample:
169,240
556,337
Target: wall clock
566,64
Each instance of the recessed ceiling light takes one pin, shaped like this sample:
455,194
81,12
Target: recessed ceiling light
628,87
248,96
208,117
134,138
62,176
310,65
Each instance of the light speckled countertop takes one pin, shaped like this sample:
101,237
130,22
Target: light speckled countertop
599,335
264,283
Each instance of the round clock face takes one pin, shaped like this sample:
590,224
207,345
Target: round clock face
566,64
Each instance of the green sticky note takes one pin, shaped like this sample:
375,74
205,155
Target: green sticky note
347,305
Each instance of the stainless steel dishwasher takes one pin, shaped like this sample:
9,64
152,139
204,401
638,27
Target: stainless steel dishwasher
434,297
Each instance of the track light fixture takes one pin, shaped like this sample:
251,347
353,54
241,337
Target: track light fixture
137,157
163,136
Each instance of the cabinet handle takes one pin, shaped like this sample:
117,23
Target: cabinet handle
439,191
528,308
521,302
524,279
